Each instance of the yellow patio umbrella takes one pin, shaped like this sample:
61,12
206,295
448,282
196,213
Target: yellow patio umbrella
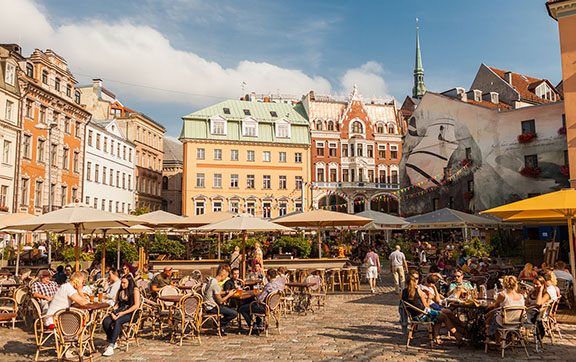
555,207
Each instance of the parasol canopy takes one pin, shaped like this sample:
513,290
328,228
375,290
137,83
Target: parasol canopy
198,220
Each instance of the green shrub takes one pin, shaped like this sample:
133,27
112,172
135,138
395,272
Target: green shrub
404,246
163,245
288,243
127,251
477,248
69,255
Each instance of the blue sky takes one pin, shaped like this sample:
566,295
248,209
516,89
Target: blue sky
168,58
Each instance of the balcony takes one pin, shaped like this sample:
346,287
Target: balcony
355,185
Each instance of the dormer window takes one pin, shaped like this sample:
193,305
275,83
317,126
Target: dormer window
249,128
274,114
247,112
545,92
380,128
357,127
282,129
391,129
226,110
319,125
29,70
330,126
10,74
218,126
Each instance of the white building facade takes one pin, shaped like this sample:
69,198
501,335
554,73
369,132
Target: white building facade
109,167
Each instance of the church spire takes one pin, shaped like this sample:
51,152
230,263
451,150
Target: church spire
419,88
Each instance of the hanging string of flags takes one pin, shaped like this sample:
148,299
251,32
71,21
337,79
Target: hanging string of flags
439,180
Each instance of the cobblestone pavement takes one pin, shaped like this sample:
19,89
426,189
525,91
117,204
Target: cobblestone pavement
355,327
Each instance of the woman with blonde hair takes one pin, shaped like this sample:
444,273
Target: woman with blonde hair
509,297
528,272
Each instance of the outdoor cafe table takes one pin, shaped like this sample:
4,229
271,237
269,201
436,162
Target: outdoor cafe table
7,287
171,298
302,296
7,316
249,283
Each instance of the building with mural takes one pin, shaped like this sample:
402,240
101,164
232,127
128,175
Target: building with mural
246,156
172,169
564,11
53,125
506,138
355,154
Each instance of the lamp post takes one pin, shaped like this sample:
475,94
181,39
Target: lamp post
49,128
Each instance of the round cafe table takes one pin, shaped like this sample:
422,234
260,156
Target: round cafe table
172,298
249,283
302,297
92,306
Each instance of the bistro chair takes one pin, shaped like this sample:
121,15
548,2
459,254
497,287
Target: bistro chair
271,310
72,329
413,323
9,306
22,298
41,333
150,312
131,330
211,317
287,301
564,286
189,315
511,331
317,291
335,278
552,318
144,286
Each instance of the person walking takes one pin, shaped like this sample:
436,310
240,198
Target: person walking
373,267
397,265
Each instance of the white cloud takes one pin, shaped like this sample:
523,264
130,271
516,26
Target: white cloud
140,55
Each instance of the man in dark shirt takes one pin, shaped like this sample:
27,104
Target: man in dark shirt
272,286
234,282
161,280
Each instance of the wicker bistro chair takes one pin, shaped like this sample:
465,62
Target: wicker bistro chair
72,328
271,310
9,305
317,291
189,316
211,317
144,286
413,323
131,330
553,322
22,296
542,319
150,312
567,295
511,331
41,333
164,313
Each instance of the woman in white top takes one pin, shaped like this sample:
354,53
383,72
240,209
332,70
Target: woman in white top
548,292
507,298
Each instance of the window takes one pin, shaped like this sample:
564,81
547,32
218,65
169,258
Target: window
319,125
90,138
468,153
218,180
251,207
298,206
130,182
359,150
137,133
217,154
390,129
435,204
3,195
10,75
216,206
26,145
298,157
129,155
233,155
42,114
63,195
250,156
112,147
344,175
77,97
246,112
57,84
370,151
44,77
266,182
393,177
282,157
249,128
330,126
267,209
40,151
8,110
24,195
88,170
65,159
379,128
118,179
74,194
531,161
234,206
124,153
266,156
226,110
320,149
53,154
320,175
77,129
199,180
344,150
200,152
545,92
393,152
333,177
68,90
282,183
234,181
67,125
118,150
282,207
218,127
104,175
528,126
38,194
357,127
250,182
28,108
124,180
332,149
6,152
97,141
282,129
29,70
299,181
382,151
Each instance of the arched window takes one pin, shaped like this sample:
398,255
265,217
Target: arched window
357,127
29,70
165,183
380,128
390,129
44,77
330,126
319,125
77,97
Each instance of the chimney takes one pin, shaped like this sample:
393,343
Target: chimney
253,96
508,77
97,83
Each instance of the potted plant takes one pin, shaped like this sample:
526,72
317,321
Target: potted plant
527,137
4,208
531,171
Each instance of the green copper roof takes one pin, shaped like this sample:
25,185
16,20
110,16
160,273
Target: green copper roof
197,125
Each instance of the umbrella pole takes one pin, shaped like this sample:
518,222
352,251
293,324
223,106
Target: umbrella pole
571,240
18,237
103,267
244,237
49,250
319,244
118,255
219,241
77,246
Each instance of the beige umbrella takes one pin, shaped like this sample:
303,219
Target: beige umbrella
8,219
322,218
244,223
78,217
155,218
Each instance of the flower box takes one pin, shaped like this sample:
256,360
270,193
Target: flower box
531,171
4,208
526,137
468,195
565,170
562,131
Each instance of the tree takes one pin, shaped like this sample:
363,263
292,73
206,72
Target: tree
127,251
141,211
163,245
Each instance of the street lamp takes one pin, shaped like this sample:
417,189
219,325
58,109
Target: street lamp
49,128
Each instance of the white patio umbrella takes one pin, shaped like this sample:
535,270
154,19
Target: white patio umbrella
244,223
9,219
156,218
78,217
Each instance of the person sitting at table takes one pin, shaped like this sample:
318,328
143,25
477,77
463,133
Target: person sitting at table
509,297
146,272
258,257
272,286
213,298
42,255
527,273
561,273
59,277
416,297
68,294
131,268
256,273
126,272
494,267
44,290
127,302
234,282
161,280
459,286
434,298
229,270
448,270
111,290
549,290
281,276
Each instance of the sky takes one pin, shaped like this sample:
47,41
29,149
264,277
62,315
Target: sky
169,58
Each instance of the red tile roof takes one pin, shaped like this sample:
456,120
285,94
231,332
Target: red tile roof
487,104
525,85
